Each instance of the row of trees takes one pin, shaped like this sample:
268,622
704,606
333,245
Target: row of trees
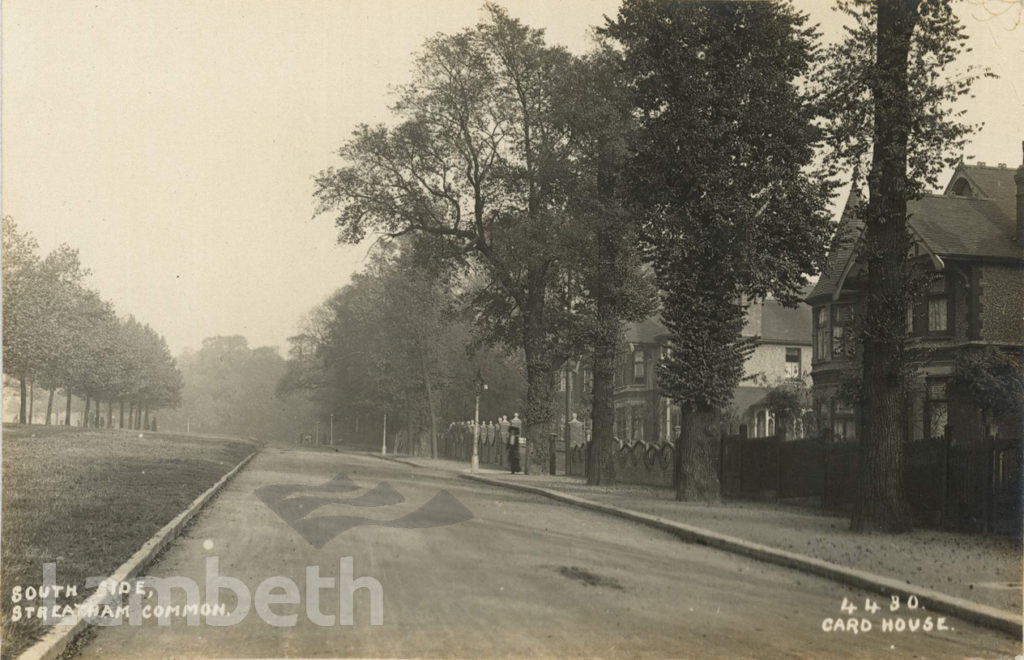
60,334
703,139
394,343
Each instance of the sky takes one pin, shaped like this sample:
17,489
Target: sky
174,142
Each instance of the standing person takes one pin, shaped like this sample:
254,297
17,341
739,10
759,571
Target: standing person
513,450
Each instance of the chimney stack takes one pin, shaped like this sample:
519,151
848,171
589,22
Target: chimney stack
1018,178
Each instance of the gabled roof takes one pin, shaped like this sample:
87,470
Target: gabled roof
785,325
840,256
648,331
982,225
963,226
779,325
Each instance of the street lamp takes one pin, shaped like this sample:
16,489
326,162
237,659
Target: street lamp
480,386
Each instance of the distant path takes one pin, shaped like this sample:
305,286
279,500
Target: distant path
524,577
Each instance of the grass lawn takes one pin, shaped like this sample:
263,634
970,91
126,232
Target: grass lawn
89,500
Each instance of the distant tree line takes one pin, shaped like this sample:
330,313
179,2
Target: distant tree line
60,334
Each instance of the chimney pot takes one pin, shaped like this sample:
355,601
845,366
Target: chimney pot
981,163
1002,166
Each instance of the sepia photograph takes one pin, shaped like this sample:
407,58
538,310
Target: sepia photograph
512,329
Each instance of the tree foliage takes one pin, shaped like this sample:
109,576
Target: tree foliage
992,379
480,161
732,208
393,342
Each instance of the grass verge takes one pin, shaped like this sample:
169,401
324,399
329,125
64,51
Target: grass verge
88,500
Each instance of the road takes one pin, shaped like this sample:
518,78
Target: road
473,571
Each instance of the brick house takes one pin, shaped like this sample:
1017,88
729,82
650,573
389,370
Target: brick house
968,242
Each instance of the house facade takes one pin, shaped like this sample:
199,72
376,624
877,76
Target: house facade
642,414
967,244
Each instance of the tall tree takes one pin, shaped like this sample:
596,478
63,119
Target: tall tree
606,281
475,162
62,275
722,174
889,97
23,344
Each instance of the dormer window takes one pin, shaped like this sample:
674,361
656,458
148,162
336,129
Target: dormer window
962,188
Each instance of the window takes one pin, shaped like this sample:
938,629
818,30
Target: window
638,426
844,430
842,331
938,306
588,380
764,423
639,373
821,333
938,409
793,363
910,319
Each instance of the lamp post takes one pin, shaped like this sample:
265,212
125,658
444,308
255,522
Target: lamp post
474,464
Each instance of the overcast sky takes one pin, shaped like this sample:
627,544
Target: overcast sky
174,142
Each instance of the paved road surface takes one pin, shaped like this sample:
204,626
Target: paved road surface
473,571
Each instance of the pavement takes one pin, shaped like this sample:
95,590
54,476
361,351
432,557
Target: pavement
471,570
983,569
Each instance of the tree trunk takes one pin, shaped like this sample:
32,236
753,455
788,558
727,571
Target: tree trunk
120,418
131,414
145,421
697,457
96,421
88,408
601,466
23,408
49,405
67,408
31,401
110,413
881,503
539,380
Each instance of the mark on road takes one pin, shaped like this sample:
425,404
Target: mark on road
588,578
442,509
